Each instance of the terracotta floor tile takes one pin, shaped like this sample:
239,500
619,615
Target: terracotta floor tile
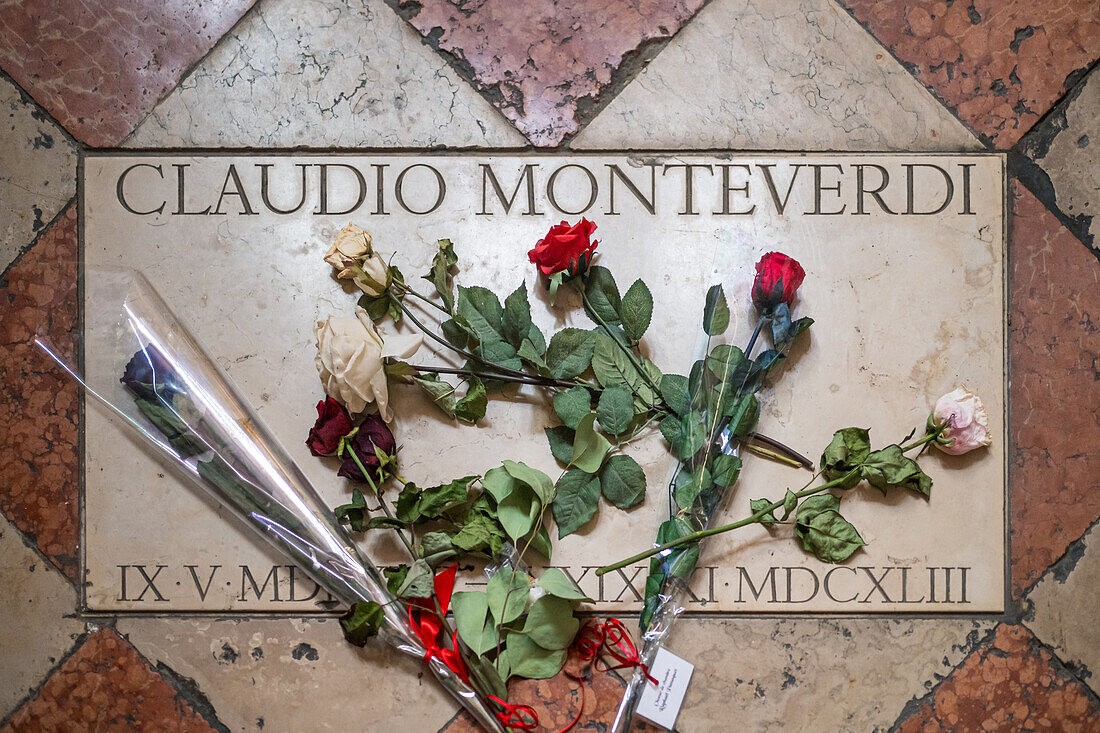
100,66
1009,686
1054,364
1000,64
106,686
541,62
38,405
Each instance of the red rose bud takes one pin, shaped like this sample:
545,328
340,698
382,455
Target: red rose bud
373,436
565,249
333,423
777,279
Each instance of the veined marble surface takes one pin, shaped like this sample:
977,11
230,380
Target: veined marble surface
895,329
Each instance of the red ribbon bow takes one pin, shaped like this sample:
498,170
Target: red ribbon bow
428,626
613,639
516,717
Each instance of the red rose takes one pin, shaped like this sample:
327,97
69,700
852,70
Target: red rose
565,248
333,423
777,278
373,436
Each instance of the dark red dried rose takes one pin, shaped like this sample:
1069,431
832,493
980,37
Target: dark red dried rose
777,279
373,436
333,423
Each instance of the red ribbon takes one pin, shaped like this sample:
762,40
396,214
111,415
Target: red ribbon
429,626
613,639
516,717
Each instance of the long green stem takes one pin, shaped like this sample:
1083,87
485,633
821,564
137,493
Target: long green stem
381,499
756,517
538,381
406,289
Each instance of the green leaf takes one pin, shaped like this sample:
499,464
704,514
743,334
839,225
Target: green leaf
475,628
433,543
611,366
540,542
622,481
537,480
385,523
507,594
168,421
419,583
693,435
569,353
407,508
395,577
615,410
756,505
479,532
499,483
445,258
589,447
532,354
455,333
556,583
637,310
743,414
722,362
479,310
826,534
561,442
487,677
376,306
674,393
550,623
525,658
441,393
518,512
790,500
361,622
516,320
471,407
437,499
716,314
672,428
689,484
848,450
602,295
575,501
890,467
682,560
724,469
354,514
571,405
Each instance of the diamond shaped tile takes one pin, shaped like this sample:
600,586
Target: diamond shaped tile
1054,403
38,404
100,66
775,76
543,64
321,73
999,64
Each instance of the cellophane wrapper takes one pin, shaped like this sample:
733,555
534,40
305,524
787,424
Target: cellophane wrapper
151,374
694,500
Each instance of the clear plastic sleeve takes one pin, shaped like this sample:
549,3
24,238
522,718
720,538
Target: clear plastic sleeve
148,371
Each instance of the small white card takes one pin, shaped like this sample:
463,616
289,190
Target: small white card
660,703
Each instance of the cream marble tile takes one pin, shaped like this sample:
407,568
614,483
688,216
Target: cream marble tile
323,73
293,675
1063,608
37,610
37,171
775,75
1067,147
886,292
808,675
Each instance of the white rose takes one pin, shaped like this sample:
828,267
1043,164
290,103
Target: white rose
349,360
353,256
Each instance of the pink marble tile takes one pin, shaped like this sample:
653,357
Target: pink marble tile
541,64
99,66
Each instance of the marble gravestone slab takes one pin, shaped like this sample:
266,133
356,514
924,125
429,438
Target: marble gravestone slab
905,262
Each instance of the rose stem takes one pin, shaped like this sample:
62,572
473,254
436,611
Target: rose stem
538,381
755,334
439,339
756,517
791,452
381,499
772,455
424,298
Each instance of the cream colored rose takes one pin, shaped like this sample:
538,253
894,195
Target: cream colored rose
966,420
353,256
349,360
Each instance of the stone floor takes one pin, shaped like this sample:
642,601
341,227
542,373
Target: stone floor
1009,75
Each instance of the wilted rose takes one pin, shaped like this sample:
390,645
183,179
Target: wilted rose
777,279
565,249
373,436
333,423
966,424
349,360
353,256
149,375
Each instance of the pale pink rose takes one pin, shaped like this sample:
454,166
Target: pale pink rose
966,420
